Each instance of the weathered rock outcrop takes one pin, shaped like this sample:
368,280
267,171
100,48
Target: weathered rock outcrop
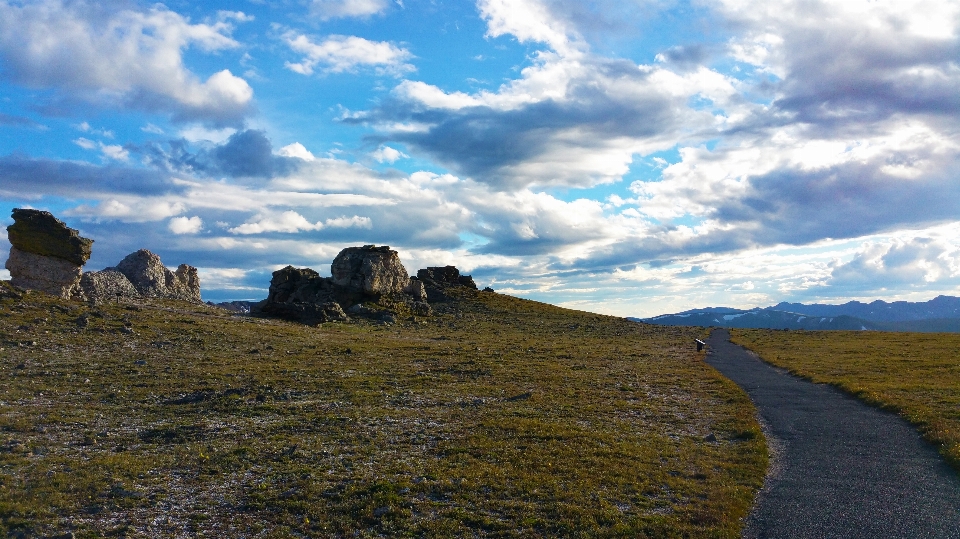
437,280
152,279
445,276
45,253
142,274
370,269
360,274
415,289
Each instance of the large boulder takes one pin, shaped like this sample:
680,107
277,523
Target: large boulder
152,279
301,294
45,253
40,233
370,269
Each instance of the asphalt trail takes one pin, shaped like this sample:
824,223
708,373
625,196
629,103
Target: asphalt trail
840,468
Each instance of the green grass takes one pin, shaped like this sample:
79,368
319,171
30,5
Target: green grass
498,417
916,375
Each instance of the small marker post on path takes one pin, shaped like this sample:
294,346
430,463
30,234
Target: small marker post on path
700,345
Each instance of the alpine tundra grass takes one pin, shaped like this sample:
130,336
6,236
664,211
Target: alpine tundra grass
499,418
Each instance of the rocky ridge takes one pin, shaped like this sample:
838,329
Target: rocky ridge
48,256
368,281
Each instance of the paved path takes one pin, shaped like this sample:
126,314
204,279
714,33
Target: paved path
841,468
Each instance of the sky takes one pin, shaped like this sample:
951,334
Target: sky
627,158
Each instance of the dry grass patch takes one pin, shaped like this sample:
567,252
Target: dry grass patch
498,417
917,375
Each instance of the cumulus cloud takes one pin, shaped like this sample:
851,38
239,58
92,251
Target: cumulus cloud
910,262
185,225
339,54
296,150
333,9
248,153
386,154
845,62
565,122
527,20
121,57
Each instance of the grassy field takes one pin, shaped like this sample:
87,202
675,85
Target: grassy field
499,417
914,374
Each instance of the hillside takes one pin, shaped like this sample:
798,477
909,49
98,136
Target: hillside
494,417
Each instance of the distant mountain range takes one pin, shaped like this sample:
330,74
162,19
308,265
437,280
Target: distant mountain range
941,314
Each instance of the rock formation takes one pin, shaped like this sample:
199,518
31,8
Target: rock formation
415,289
360,274
142,274
107,285
437,280
45,254
370,269
442,277
153,280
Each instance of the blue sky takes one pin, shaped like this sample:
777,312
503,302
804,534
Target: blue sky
630,158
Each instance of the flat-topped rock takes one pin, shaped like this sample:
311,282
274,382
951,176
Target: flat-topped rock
40,233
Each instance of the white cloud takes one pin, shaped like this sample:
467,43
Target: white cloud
333,9
296,150
115,152
339,54
291,222
128,58
199,133
186,225
129,209
87,128
85,143
386,154
528,20
109,151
